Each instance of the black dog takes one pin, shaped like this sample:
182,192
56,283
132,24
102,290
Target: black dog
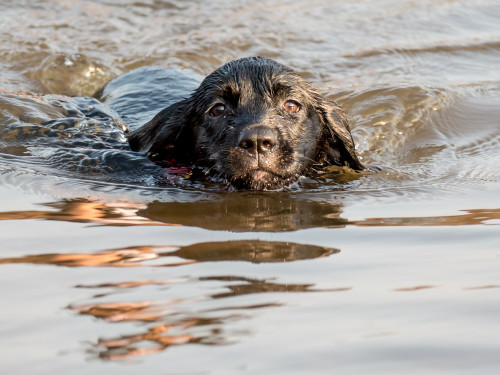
253,122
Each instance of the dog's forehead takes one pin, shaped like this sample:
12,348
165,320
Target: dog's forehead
249,79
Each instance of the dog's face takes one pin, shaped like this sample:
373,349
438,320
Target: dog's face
253,122
257,125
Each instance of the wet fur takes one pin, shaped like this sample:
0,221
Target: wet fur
253,91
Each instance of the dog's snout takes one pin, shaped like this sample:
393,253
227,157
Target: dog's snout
257,140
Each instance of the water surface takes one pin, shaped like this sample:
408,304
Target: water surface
110,265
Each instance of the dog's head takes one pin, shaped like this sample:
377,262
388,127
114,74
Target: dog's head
253,122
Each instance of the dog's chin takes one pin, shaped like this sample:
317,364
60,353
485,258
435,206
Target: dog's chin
260,179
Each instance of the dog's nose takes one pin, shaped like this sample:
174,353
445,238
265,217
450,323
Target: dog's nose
257,140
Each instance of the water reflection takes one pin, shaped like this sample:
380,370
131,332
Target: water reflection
415,288
180,310
236,212
248,212
245,286
488,216
116,258
181,320
83,211
162,325
254,251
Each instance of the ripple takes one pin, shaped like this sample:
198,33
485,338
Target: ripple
72,74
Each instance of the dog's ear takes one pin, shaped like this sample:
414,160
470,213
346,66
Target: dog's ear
165,134
339,145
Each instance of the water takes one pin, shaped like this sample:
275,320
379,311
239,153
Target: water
108,265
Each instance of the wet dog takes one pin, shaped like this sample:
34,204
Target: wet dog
253,122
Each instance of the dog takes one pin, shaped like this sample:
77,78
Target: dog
253,122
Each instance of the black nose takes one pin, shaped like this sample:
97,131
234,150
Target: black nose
259,139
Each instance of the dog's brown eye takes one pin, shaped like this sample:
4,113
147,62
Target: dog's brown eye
217,110
291,106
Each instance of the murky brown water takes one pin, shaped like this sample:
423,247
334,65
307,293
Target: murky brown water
108,265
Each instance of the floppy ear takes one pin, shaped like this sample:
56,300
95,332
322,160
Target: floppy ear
339,146
166,134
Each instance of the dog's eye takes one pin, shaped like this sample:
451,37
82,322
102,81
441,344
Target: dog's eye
291,106
217,110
